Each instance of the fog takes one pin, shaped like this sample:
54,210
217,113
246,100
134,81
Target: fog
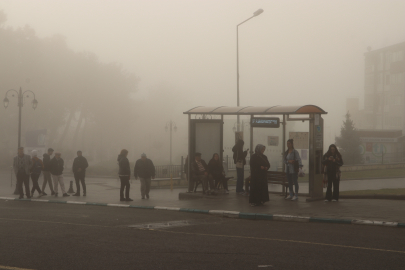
171,56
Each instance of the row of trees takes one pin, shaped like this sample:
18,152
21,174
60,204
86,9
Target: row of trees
83,103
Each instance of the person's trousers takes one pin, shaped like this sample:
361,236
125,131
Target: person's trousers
47,179
206,180
145,186
191,183
79,178
240,172
220,178
35,186
124,185
333,181
23,178
293,181
58,179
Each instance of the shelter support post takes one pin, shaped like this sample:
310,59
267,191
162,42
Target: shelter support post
315,156
189,150
251,137
284,142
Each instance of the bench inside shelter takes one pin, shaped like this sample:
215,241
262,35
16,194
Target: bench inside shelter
278,178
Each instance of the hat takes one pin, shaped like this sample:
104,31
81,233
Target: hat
143,155
34,153
198,154
50,150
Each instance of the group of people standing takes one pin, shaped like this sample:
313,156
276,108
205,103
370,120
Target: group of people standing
259,165
144,170
26,167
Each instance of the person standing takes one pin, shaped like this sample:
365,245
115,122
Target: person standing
124,174
22,168
239,158
79,171
36,170
259,165
145,170
333,161
293,162
46,172
216,170
56,168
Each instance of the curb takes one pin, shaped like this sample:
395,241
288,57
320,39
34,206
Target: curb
229,214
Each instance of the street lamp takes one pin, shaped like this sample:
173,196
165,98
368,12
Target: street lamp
256,13
170,126
20,100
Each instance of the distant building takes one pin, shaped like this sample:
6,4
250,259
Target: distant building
384,90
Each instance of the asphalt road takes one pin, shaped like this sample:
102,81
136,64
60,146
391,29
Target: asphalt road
53,236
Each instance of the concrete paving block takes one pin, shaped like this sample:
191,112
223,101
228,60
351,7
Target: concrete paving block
200,211
141,206
7,198
173,208
39,200
117,205
231,214
97,204
384,223
217,212
74,202
160,208
330,220
290,218
56,201
247,215
264,216
362,222
401,225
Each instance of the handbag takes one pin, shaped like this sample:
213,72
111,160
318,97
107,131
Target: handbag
239,163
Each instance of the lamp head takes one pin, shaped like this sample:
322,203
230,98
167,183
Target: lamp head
6,102
34,104
258,12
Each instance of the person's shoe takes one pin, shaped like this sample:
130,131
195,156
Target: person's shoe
226,191
56,194
143,198
253,204
76,194
53,193
28,197
147,196
44,194
65,195
128,200
289,197
84,194
326,200
334,200
122,200
20,197
295,198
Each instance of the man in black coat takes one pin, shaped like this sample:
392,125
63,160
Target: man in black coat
199,171
56,168
79,170
145,170
46,172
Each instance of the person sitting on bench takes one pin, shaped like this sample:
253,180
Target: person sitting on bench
216,170
199,171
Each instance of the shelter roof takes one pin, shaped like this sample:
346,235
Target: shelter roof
250,110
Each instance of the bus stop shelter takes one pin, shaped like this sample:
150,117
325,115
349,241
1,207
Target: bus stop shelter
205,132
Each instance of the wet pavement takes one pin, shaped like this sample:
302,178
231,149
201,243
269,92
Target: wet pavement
104,190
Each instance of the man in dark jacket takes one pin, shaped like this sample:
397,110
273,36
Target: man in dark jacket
145,170
22,169
79,170
46,172
56,168
199,171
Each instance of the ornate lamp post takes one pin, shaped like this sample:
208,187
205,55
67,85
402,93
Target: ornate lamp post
255,14
20,102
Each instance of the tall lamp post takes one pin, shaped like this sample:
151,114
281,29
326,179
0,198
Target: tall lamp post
255,14
20,99
20,102
169,127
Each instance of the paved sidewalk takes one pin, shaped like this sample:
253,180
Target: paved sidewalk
107,191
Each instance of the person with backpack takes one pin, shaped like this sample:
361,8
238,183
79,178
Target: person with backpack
293,163
36,170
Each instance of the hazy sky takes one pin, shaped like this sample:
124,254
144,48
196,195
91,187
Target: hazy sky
296,52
